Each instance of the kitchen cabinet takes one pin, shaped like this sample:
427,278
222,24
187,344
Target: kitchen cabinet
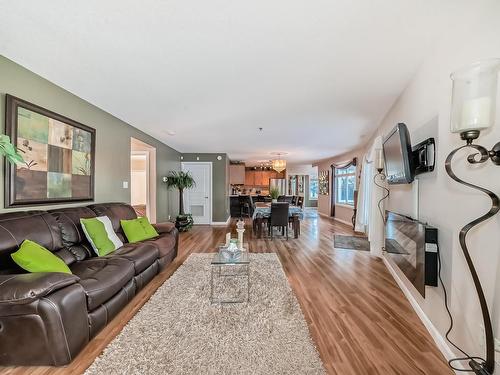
258,178
249,178
237,174
266,176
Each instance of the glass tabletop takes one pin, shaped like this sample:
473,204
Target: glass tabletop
226,258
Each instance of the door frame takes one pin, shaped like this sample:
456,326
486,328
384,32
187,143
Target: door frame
139,147
148,182
210,186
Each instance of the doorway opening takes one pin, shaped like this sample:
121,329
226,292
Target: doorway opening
143,179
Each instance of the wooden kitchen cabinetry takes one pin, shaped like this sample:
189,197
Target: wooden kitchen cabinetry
237,174
249,178
260,178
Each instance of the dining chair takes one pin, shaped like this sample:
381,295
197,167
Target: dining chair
251,203
300,202
244,206
288,199
294,200
279,217
281,198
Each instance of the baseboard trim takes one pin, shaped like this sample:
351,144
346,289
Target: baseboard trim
440,341
342,221
221,223
336,219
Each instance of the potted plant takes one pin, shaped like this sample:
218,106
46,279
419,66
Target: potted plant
274,192
181,180
8,150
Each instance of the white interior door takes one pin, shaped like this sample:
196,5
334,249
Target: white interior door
198,200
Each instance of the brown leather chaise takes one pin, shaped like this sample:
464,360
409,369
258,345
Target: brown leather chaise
47,318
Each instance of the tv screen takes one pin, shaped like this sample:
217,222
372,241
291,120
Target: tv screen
398,156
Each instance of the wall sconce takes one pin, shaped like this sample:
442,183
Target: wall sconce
473,110
379,165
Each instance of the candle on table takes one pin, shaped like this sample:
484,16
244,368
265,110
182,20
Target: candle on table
228,238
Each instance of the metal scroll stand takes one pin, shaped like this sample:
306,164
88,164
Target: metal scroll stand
382,177
488,366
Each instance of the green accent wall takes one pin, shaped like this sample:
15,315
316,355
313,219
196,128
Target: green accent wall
112,139
220,182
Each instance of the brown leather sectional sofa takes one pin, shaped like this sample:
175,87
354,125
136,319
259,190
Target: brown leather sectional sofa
47,318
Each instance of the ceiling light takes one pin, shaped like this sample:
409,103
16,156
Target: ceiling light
279,164
171,132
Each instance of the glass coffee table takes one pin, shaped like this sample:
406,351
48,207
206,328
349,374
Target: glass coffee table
230,278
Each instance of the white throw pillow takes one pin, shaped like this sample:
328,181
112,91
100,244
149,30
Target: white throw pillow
109,230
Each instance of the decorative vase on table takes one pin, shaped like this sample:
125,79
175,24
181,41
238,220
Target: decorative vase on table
274,193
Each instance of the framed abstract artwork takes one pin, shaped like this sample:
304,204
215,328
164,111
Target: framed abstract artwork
323,182
58,153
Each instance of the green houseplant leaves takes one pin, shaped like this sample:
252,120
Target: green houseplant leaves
8,150
181,180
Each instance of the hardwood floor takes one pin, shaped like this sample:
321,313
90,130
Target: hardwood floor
358,317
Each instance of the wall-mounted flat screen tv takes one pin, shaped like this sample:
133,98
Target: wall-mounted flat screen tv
398,156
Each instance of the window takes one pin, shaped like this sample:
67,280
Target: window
313,187
345,184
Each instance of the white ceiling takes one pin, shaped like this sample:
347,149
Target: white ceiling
318,76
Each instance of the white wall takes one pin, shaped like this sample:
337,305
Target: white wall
473,34
302,169
138,180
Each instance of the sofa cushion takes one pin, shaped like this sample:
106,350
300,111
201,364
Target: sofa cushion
165,244
100,234
115,212
27,287
15,227
142,255
71,232
102,278
35,258
139,229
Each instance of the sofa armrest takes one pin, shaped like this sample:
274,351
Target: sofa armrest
164,227
25,288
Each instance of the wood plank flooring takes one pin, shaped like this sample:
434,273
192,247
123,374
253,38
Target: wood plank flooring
358,317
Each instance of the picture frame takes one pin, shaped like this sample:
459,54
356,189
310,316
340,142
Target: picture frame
58,153
323,182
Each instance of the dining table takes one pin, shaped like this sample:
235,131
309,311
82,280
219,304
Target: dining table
262,210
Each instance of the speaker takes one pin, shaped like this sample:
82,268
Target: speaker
431,256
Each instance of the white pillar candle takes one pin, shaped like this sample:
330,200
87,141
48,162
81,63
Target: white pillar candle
228,238
240,238
379,159
476,114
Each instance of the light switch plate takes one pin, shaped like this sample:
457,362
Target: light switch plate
125,184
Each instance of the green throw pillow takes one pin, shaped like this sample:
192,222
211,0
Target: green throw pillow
35,258
138,229
99,232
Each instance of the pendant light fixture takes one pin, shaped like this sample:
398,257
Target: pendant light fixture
279,164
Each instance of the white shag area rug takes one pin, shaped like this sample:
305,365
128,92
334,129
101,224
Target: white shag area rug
178,331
